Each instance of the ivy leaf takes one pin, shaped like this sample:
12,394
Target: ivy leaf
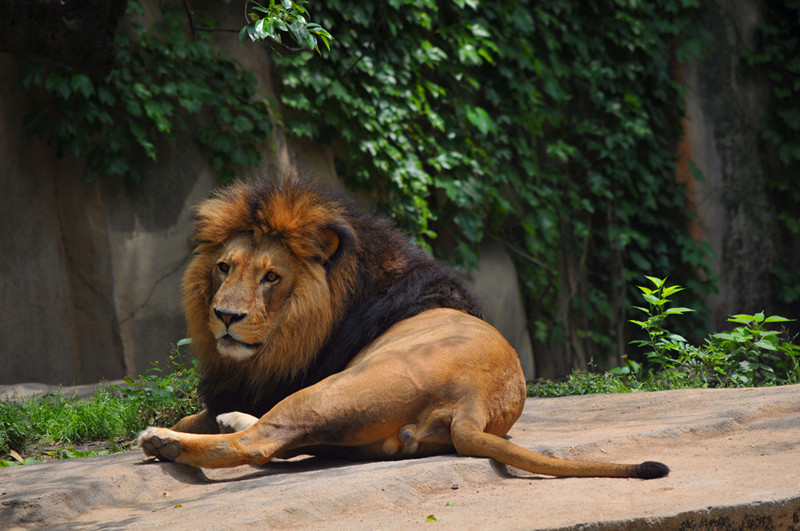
471,225
58,85
242,124
478,117
82,84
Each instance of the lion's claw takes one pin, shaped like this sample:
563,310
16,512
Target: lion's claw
163,448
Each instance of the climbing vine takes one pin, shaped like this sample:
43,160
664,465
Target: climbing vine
164,80
551,124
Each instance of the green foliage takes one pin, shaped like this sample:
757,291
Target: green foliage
661,343
552,124
115,413
777,58
269,22
164,397
580,383
748,355
163,81
755,355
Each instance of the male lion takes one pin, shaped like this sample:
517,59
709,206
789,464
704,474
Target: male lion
344,340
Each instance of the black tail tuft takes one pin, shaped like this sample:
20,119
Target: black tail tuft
651,470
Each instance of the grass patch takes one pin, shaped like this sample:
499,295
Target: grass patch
54,426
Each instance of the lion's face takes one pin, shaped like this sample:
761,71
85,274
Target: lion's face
273,271
251,282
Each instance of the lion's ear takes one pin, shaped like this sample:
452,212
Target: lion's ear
330,243
337,239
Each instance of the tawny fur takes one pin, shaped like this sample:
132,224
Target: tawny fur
344,339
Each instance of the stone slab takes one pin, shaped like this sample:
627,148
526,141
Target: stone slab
734,455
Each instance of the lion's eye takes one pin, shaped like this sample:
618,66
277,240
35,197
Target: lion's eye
223,267
271,277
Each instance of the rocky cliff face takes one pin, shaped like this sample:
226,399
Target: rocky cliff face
726,103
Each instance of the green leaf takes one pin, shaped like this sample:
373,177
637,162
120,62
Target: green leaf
244,35
299,32
678,310
652,299
725,336
658,282
670,290
58,85
478,117
766,345
777,319
471,225
242,124
82,84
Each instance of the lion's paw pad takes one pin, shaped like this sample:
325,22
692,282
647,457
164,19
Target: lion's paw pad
158,443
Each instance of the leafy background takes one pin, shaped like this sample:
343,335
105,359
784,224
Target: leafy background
549,126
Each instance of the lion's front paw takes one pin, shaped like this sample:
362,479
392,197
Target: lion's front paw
159,443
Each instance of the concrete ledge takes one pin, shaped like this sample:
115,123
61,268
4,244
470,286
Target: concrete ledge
733,454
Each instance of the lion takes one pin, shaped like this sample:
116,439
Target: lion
320,329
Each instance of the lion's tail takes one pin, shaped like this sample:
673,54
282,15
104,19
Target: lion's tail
468,440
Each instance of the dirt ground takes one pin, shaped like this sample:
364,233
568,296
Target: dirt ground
734,455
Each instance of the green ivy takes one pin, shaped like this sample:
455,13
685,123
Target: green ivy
552,124
164,80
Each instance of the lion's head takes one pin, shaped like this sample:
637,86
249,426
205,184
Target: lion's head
271,275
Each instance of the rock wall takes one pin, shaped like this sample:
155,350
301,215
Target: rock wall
726,101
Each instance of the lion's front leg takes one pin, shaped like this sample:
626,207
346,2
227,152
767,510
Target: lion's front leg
248,447
207,451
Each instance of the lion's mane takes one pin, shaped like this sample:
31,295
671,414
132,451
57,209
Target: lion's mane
375,279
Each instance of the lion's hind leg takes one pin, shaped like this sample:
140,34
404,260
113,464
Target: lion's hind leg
469,439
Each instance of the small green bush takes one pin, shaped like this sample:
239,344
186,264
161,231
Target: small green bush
748,355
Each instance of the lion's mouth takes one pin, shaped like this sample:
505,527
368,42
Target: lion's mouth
229,340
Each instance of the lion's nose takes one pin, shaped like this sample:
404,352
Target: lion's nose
229,317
